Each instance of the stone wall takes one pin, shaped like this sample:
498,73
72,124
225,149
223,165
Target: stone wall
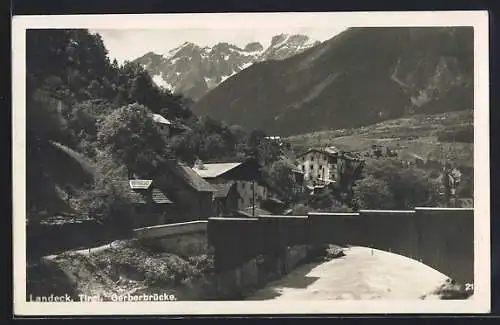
241,281
182,239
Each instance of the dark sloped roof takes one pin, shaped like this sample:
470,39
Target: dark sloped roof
138,196
159,197
332,152
192,178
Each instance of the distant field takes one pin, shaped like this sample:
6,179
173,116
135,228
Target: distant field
417,135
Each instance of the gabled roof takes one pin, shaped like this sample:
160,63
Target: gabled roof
330,151
160,197
160,119
192,178
214,170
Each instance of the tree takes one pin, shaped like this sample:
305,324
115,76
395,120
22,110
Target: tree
107,199
281,178
372,193
78,98
132,137
410,186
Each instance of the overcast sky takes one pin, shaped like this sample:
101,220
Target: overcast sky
128,44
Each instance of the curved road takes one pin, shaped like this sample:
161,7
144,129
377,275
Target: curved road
360,274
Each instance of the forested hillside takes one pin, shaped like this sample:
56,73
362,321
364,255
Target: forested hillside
89,122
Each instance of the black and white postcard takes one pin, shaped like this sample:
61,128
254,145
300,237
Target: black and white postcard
251,163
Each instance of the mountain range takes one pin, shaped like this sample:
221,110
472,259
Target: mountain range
359,77
192,70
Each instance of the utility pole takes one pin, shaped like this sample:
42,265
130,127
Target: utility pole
253,198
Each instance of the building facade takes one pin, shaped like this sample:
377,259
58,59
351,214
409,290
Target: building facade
323,166
245,176
250,193
151,205
319,166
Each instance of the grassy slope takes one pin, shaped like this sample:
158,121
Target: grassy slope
127,267
416,134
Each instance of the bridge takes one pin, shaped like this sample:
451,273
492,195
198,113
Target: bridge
438,237
442,238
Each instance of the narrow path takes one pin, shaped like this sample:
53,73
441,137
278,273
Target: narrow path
86,251
360,274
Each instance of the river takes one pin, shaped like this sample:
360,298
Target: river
363,273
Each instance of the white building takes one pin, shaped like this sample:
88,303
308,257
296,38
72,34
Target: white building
319,165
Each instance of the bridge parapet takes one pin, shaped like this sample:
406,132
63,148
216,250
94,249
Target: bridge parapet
183,239
171,229
236,240
282,231
446,241
440,238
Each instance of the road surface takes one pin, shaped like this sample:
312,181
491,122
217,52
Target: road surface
360,274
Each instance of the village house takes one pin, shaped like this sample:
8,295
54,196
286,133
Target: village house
168,127
244,176
151,205
164,124
194,197
320,166
189,196
225,198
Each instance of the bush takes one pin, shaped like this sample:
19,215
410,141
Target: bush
202,264
372,193
409,187
454,291
108,198
155,269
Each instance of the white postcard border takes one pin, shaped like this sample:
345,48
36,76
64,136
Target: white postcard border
478,19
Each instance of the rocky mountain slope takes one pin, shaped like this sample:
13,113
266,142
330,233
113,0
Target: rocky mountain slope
193,70
360,77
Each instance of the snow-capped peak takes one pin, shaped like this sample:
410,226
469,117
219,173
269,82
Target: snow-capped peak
193,70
